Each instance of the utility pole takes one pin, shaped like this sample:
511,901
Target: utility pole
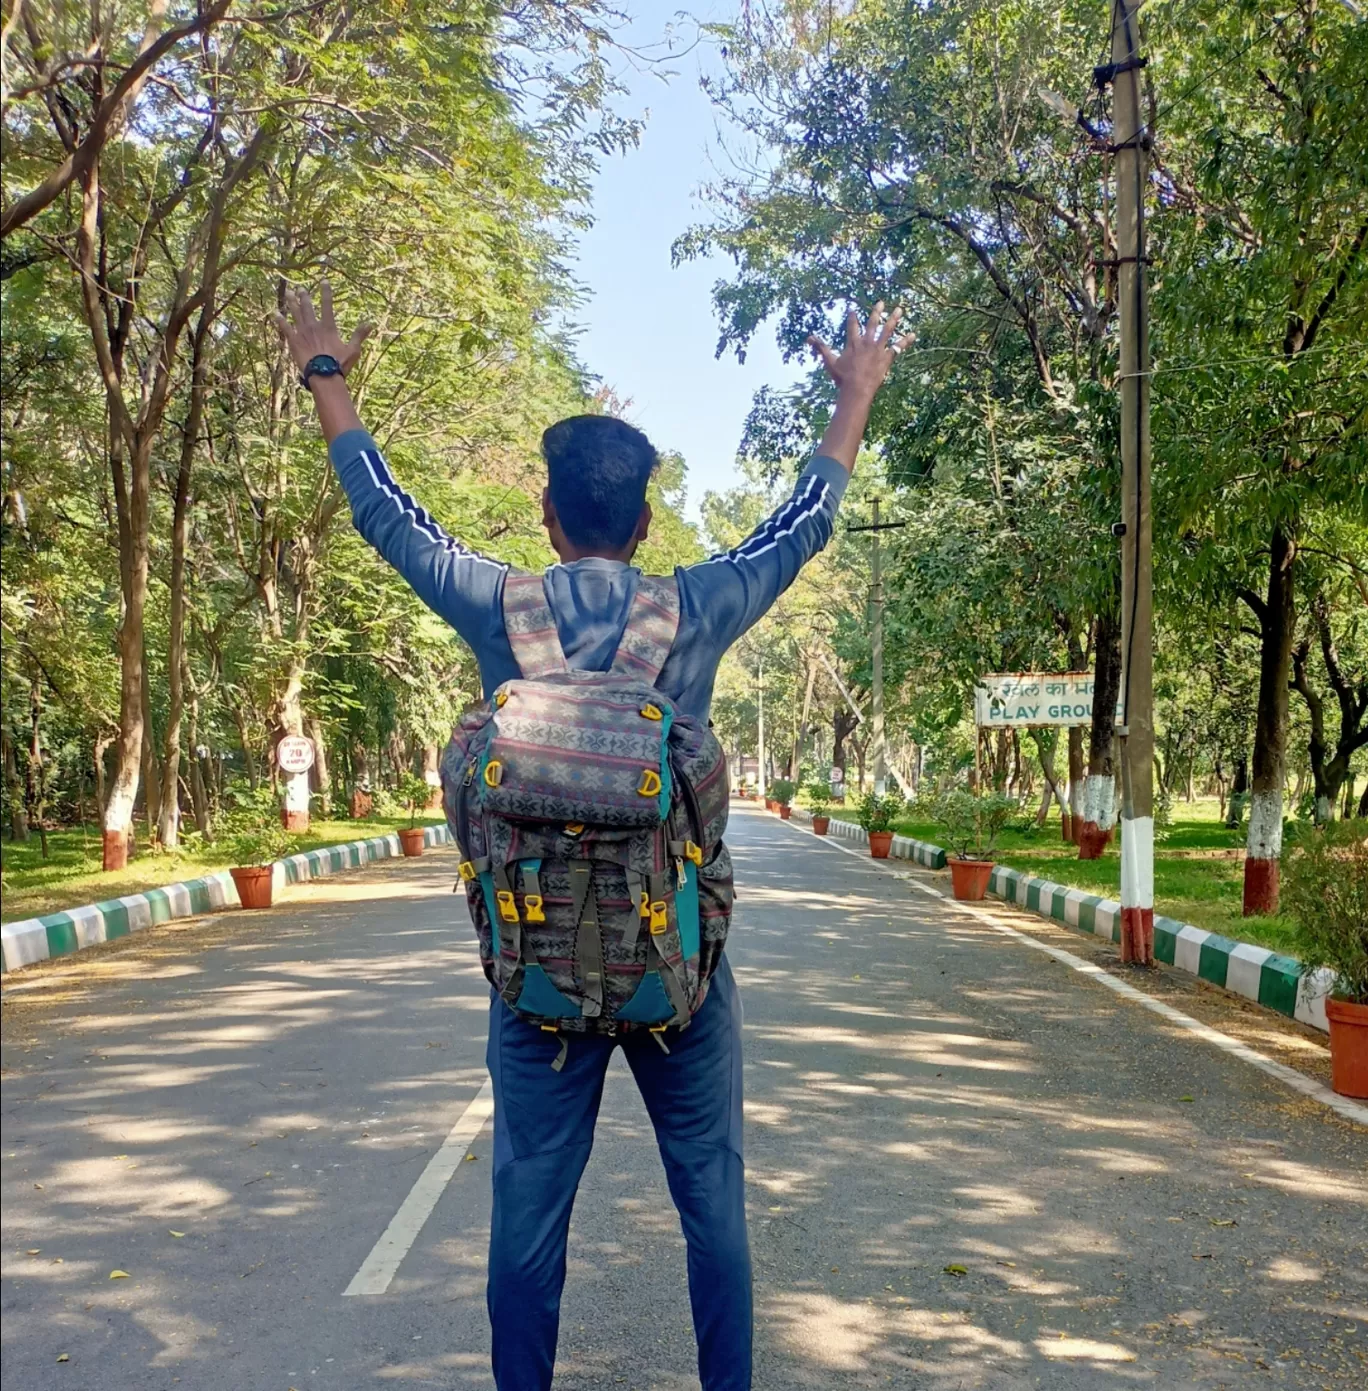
876,648
1131,141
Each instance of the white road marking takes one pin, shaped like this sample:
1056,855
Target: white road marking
379,1268
1290,1077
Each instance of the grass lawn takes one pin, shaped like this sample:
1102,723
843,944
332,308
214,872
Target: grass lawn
71,875
1198,870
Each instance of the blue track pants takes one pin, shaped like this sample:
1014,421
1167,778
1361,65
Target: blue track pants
543,1132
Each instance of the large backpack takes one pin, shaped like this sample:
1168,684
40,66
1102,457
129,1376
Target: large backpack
590,814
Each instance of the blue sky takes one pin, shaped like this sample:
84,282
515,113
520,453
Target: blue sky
648,328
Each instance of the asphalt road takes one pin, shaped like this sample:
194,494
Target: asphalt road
970,1166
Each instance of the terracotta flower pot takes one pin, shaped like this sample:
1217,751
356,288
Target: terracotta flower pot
820,824
771,804
411,838
254,885
1348,1046
969,879
880,843
785,811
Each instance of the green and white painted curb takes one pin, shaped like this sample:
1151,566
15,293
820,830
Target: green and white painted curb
1278,982
904,847
59,934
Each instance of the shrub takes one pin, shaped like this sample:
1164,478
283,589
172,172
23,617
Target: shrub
415,793
1324,889
878,813
973,821
819,797
251,829
782,790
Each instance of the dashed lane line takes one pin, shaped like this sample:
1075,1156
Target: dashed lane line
380,1267
1290,1077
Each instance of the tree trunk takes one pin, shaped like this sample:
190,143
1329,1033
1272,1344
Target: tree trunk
199,794
1239,793
14,796
843,723
1277,620
1072,812
249,762
151,780
34,779
123,792
1363,803
1046,741
319,777
1099,792
169,820
801,737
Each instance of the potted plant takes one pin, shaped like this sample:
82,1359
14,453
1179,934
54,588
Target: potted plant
819,799
783,791
972,822
255,838
1324,878
876,815
414,792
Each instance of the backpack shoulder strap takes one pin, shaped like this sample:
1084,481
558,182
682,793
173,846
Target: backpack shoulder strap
531,627
652,623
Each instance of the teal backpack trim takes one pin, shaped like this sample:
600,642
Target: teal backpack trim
649,1003
491,907
687,913
539,996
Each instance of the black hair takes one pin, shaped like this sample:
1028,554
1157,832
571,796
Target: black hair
597,469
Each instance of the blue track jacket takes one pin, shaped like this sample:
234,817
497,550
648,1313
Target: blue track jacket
720,598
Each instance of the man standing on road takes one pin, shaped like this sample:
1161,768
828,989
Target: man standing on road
596,514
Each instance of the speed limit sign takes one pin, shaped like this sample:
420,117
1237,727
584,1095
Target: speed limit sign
295,754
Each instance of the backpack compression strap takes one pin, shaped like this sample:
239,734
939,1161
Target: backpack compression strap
652,623
531,627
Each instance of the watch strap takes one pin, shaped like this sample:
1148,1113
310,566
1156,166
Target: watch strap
323,365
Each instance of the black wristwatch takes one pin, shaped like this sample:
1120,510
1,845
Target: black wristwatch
324,365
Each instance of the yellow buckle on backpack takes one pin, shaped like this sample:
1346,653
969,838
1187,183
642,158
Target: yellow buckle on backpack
651,712
660,1028
574,828
533,904
645,905
500,700
693,853
660,921
493,773
650,783
508,909
467,870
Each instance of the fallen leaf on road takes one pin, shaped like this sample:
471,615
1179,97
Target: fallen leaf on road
471,1158
1223,1222
64,1357
118,1275
955,1270
1011,1265
175,1233
1185,1098
38,1186
33,1250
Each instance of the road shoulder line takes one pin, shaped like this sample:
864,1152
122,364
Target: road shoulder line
382,1264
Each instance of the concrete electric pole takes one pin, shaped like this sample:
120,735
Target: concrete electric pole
1131,141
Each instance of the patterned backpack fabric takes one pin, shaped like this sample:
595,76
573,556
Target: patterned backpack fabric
590,815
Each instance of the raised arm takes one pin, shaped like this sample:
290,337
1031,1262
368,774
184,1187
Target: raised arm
458,584
736,589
